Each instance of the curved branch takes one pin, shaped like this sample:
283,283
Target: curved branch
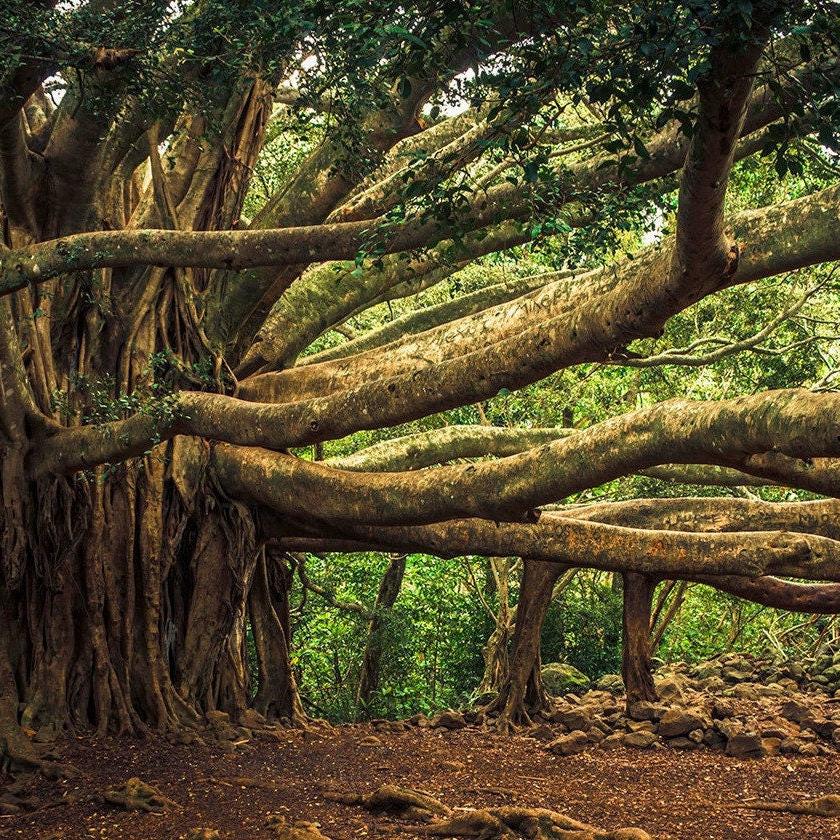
780,594
437,372
451,443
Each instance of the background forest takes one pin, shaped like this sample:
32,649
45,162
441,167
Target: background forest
746,339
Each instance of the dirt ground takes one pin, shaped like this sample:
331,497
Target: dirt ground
669,793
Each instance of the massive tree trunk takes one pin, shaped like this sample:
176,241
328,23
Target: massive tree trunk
125,587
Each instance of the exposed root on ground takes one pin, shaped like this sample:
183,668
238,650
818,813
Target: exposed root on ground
503,823
391,799
822,806
298,830
136,795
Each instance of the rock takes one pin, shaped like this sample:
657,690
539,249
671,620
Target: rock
448,720
629,834
541,732
713,739
676,722
746,691
714,685
561,678
644,710
640,726
682,743
696,735
202,834
370,741
736,675
613,741
641,740
610,682
774,731
722,709
794,670
575,718
671,688
217,718
745,745
771,746
729,727
570,744
596,735
252,719
822,726
224,733
794,710
704,670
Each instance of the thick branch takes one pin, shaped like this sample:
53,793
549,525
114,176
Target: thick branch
798,423
667,554
630,305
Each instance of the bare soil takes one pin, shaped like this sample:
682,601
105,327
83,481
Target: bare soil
670,794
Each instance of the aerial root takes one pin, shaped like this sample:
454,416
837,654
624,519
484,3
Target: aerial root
502,823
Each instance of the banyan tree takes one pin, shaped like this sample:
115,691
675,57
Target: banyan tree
166,267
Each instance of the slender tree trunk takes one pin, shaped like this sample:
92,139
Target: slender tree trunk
268,607
523,695
496,651
386,597
636,651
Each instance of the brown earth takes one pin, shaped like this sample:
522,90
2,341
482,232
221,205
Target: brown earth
671,794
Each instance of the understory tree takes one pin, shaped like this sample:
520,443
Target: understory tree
197,197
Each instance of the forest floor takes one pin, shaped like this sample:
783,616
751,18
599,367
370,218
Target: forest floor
671,794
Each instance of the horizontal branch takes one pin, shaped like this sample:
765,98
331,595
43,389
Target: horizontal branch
666,554
780,594
420,320
796,423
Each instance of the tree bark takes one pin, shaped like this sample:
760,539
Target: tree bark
522,695
386,597
268,607
636,649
